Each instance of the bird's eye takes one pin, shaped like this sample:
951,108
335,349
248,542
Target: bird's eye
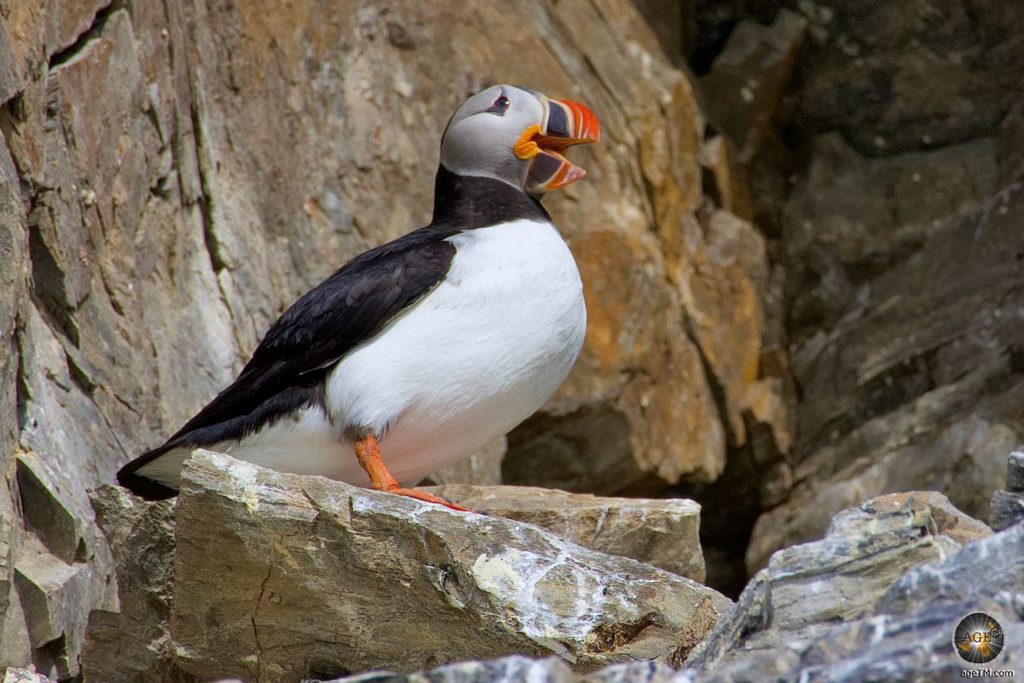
500,105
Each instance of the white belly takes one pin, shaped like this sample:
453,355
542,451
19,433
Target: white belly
479,354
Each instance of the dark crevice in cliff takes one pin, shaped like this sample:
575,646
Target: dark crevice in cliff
205,201
731,504
22,394
94,31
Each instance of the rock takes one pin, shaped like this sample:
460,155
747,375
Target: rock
482,468
1007,509
13,282
673,23
1000,557
145,255
516,669
1008,506
1015,471
502,670
897,602
842,577
902,631
730,189
914,386
749,77
133,643
15,675
662,533
63,567
870,74
723,286
293,570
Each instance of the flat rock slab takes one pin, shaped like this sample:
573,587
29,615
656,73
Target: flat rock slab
280,577
661,532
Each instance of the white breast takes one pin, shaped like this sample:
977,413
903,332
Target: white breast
480,353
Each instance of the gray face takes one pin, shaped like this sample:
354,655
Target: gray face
481,135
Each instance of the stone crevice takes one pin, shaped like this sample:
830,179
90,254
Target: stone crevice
84,40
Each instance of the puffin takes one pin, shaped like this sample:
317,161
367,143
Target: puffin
418,352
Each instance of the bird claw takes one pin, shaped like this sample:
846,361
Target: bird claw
428,498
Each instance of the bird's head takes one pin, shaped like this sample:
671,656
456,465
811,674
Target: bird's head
519,137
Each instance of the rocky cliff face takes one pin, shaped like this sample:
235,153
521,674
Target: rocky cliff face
803,264
173,174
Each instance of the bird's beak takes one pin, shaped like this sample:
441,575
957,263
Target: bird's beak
564,124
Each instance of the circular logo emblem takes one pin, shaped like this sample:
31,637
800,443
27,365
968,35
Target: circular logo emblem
978,638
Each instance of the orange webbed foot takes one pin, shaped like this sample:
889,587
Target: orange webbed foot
368,454
427,497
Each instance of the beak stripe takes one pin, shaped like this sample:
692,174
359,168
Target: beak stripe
558,121
545,166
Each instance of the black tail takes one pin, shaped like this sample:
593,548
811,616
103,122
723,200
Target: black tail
144,487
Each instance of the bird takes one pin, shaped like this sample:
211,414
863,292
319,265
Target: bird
418,352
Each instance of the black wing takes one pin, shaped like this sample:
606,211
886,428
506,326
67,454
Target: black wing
288,368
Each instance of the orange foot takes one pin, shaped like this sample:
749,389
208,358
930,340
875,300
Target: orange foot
368,454
428,497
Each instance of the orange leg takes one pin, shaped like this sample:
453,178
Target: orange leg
368,453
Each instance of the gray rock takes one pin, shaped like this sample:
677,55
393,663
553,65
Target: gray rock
750,76
282,576
63,567
1008,506
916,386
895,603
660,532
16,675
1007,509
518,669
870,72
1015,471
513,669
133,642
840,578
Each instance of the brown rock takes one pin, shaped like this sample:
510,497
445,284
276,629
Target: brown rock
662,532
723,289
731,187
174,172
62,568
482,468
133,642
749,77
279,576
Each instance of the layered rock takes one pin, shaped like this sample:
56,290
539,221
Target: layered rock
175,173
899,241
663,533
877,599
133,643
283,576
842,577
896,618
1008,505
916,385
